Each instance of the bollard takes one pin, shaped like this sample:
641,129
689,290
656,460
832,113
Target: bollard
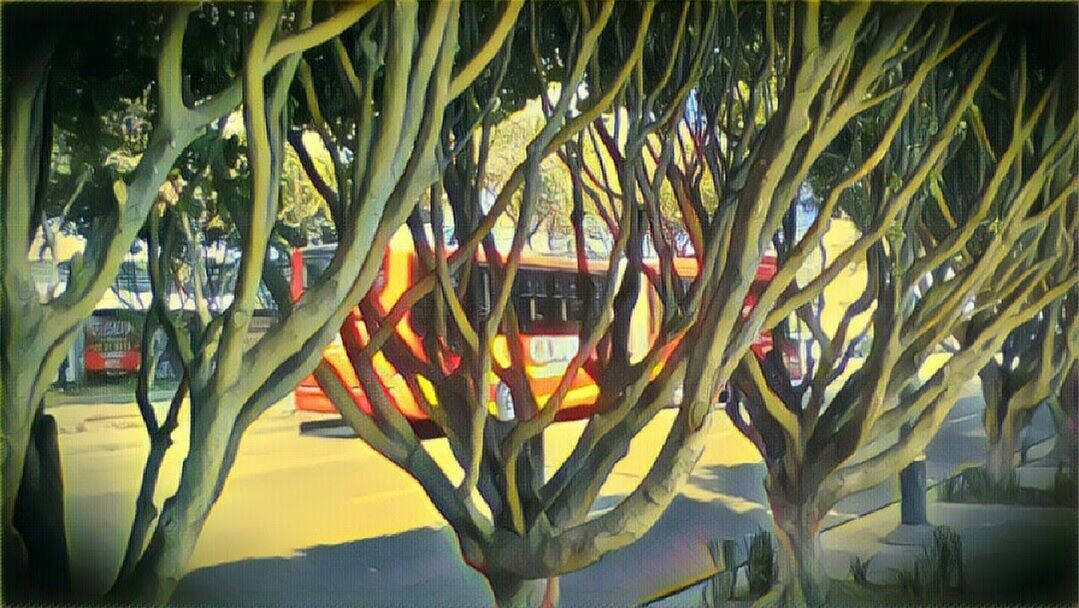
912,491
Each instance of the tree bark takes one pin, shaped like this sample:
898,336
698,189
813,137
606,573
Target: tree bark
1001,453
16,442
145,510
802,580
41,542
154,577
17,422
513,592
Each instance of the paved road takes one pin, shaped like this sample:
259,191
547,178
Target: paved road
316,521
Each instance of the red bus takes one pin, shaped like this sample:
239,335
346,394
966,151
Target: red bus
547,306
112,342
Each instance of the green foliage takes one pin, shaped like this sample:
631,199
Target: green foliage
720,587
947,557
974,485
509,141
760,563
859,569
938,572
218,31
304,216
102,95
910,583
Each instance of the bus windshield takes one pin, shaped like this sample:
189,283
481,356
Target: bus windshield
546,301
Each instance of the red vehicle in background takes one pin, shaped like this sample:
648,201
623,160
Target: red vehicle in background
112,343
547,305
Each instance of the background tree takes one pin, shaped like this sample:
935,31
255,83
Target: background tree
1035,361
1036,357
927,254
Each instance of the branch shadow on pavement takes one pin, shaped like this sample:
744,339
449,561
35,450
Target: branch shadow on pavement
424,566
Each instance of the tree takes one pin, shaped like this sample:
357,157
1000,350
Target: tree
1037,356
532,532
162,272
223,401
36,336
1035,361
939,251
770,101
392,160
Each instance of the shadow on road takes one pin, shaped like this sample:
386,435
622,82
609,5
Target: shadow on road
416,567
424,566
404,569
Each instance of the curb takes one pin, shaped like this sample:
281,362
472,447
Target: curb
59,398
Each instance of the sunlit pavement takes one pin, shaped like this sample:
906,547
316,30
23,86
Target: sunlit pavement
313,520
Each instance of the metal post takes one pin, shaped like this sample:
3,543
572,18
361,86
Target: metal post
912,491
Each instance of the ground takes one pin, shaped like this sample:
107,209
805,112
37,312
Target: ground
311,519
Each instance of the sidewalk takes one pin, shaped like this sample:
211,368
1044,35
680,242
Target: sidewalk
101,394
1000,542
109,426
894,548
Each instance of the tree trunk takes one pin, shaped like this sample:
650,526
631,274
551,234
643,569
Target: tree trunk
1001,454
41,542
16,566
513,592
22,357
802,580
154,577
145,510
16,418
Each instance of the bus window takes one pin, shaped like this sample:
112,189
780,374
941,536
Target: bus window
560,293
575,296
423,315
549,302
546,301
533,302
